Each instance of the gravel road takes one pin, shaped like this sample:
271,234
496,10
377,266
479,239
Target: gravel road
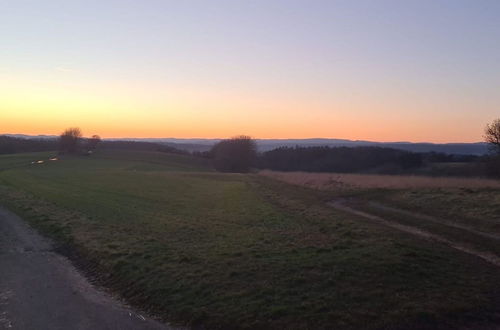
40,289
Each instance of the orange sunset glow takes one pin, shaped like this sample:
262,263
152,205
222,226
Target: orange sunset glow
121,111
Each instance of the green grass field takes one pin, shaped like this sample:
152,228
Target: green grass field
242,251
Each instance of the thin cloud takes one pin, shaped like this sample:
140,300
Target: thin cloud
65,69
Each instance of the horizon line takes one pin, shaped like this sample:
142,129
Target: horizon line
255,138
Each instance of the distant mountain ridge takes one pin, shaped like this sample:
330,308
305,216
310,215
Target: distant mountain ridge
478,148
24,136
197,144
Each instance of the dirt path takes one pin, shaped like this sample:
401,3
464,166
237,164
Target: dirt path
39,289
345,206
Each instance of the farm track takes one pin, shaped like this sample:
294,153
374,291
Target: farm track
425,217
349,206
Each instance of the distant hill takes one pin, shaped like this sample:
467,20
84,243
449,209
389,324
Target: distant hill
479,148
24,136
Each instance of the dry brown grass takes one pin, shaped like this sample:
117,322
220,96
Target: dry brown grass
336,181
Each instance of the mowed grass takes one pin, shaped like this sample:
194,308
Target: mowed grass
242,251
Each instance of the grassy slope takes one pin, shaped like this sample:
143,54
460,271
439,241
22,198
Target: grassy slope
242,251
470,203
12,161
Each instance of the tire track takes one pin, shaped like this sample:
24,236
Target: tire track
343,205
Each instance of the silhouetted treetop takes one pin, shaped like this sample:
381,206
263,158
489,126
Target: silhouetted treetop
93,142
234,155
69,141
492,135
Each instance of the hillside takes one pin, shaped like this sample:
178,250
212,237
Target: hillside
241,251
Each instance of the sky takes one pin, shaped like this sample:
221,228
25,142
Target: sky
380,70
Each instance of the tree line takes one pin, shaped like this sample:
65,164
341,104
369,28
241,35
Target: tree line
337,159
239,154
72,142
12,145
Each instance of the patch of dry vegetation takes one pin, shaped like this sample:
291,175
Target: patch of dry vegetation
347,181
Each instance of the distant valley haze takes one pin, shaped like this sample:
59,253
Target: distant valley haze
200,144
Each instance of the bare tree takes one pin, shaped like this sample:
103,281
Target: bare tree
93,142
234,155
492,135
69,140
